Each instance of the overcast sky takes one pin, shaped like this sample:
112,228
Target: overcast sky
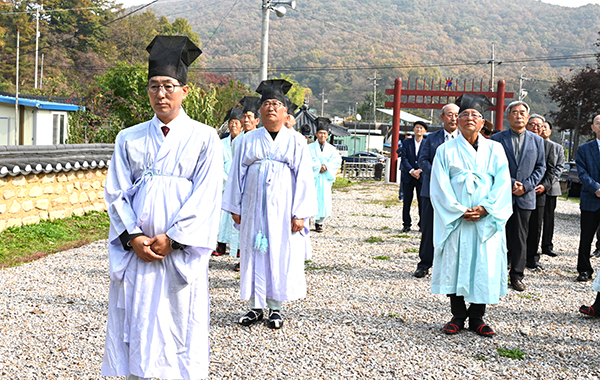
565,3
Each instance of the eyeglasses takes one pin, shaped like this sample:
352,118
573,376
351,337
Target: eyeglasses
168,87
466,115
535,125
276,105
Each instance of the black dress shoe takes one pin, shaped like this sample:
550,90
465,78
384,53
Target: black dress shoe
535,266
275,321
517,285
406,229
421,272
583,277
550,253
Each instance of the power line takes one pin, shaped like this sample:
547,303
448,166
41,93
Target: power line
223,19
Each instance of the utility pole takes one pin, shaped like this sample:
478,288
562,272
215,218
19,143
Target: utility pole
374,79
42,72
522,93
17,88
493,63
323,101
37,36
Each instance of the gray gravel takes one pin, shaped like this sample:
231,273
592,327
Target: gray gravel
365,315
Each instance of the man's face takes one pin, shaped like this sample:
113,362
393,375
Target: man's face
470,122
249,121
165,105
290,121
450,118
546,131
535,125
419,131
273,112
518,117
235,128
322,136
596,126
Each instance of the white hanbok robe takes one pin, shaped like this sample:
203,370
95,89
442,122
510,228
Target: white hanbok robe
227,233
331,158
158,312
269,183
470,257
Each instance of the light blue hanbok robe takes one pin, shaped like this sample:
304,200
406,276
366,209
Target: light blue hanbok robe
470,257
331,158
270,182
158,312
227,232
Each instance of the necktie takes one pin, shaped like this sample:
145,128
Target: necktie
165,130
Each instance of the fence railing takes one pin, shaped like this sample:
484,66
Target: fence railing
363,171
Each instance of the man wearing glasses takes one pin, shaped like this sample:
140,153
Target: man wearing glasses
270,192
163,190
525,154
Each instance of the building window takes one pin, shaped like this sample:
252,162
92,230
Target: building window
59,130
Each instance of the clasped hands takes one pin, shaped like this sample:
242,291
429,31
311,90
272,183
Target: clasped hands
474,214
297,224
151,249
518,189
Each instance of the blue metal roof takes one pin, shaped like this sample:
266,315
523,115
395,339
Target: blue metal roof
41,104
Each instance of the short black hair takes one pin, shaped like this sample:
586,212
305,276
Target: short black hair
421,123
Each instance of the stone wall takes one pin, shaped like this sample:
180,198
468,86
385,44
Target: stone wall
31,198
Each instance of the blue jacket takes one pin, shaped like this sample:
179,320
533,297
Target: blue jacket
529,170
409,159
588,168
426,154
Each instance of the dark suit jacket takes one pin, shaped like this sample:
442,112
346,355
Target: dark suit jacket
555,190
588,168
409,159
426,155
549,174
529,170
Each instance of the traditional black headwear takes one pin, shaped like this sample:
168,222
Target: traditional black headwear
305,130
421,123
170,56
323,124
480,103
291,107
233,114
273,89
250,104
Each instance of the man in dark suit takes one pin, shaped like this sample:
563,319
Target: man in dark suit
525,153
536,125
449,118
411,174
551,194
588,168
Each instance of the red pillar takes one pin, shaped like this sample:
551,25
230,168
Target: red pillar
395,128
499,105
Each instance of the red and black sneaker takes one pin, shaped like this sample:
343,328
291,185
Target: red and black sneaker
220,249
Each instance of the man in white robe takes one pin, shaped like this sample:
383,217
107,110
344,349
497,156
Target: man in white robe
163,188
250,118
227,233
269,193
471,196
326,161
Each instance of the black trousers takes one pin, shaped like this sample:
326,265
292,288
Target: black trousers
408,188
517,229
548,227
460,312
426,247
533,237
590,220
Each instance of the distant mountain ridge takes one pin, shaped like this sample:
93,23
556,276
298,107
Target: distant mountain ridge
339,36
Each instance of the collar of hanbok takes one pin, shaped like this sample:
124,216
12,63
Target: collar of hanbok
174,126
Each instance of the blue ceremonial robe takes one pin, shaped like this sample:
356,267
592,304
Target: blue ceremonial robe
227,232
470,257
331,158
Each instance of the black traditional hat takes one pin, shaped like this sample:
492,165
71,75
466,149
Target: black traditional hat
305,130
250,104
170,56
273,89
291,107
421,123
233,114
480,103
323,124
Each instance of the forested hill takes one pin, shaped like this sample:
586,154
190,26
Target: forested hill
335,45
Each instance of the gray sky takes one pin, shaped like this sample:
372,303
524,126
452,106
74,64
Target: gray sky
565,3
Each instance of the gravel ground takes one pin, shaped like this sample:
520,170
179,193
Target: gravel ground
365,315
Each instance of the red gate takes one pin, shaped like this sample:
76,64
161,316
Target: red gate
426,99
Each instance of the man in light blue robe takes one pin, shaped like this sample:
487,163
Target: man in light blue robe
471,196
270,192
326,161
162,189
228,234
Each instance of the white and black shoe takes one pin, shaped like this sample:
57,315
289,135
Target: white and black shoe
275,321
253,316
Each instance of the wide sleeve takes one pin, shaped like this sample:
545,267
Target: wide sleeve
207,184
448,210
316,161
305,196
333,162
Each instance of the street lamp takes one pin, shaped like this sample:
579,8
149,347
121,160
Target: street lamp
280,10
